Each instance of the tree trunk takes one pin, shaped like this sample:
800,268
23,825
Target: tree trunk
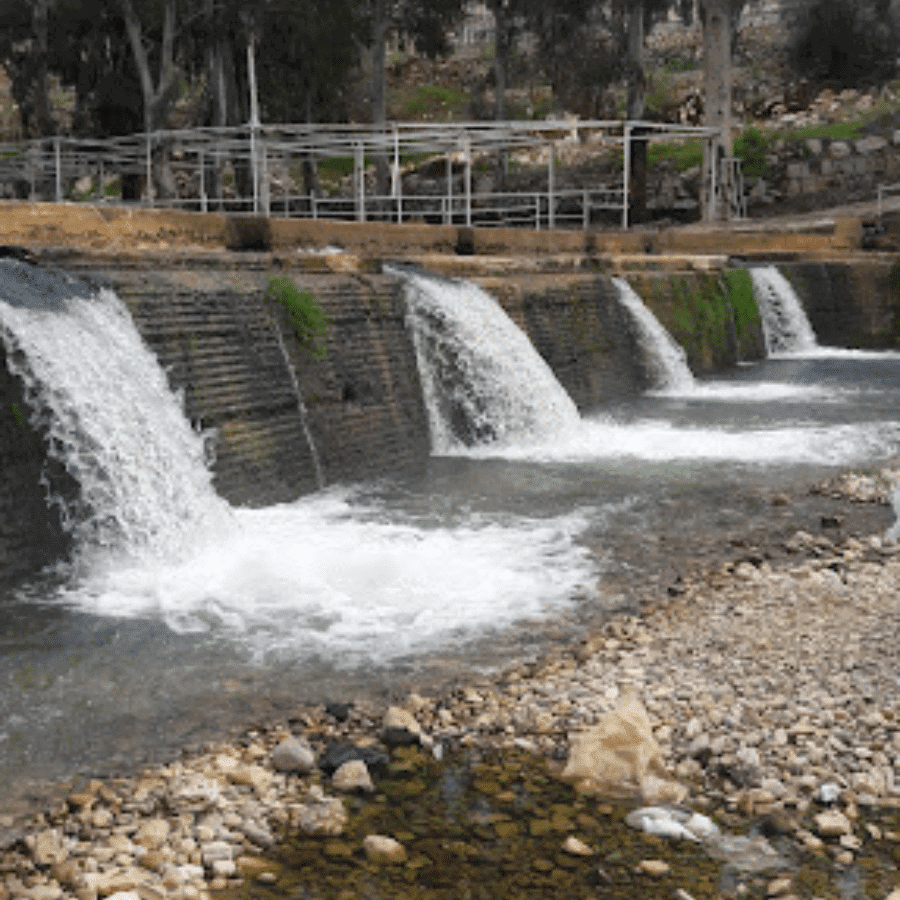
156,96
501,60
44,121
716,19
637,189
379,93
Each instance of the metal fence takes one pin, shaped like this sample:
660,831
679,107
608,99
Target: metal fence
257,169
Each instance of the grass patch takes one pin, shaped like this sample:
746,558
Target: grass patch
307,318
683,154
431,100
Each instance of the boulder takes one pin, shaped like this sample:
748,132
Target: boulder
293,755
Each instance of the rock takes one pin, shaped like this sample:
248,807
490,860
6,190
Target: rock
47,847
257,834
293,755
152,833
778,887
654,867
382,849
352,776
214,851
400,728
828,793
257,777
832,823
577,847
326,817
337,754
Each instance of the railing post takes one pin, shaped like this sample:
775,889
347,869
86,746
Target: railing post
626,173
585,211
551,187
149,170
359,169
57,166
467,148
201,161
448,220
100,179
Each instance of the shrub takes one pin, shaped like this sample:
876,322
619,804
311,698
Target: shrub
305,313
750,148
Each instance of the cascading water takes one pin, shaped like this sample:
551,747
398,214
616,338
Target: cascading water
663,358
482,380
111,419
327,575
785,324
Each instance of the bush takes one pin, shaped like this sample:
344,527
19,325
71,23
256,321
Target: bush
750,148
305,313
846,42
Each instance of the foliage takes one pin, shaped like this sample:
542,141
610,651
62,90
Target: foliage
307,318
750,148
433,101
846,42
683,154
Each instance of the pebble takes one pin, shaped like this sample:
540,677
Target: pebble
740,675
655,867
382,849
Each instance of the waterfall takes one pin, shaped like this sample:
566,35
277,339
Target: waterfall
109,414
482,380
664,359
785,324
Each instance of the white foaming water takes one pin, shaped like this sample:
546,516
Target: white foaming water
785,325
324,576
660,441
115,425
482,379
320,575
664,359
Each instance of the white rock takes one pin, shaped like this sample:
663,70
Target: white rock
832,823
293,755
380,848
352,776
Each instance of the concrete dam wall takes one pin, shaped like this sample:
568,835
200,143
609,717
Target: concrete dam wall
230,349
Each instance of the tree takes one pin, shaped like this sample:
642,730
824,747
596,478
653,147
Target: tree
426,22
846,43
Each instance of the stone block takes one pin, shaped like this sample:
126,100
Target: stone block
871,144
839,150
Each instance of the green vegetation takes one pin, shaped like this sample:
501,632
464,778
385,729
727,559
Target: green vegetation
750,148
17,415
305,313
680,64
433,101
746,311
683,154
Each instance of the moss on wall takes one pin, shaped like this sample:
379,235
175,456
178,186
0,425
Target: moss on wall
698,314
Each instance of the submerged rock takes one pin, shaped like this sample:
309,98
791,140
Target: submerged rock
382,849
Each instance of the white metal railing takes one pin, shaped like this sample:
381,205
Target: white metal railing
884,191
255,168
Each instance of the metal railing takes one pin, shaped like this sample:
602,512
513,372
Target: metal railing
256,169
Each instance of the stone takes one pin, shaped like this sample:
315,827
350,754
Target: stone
293,755
577,847
47,847
326,817
257,777
839,149
778,887
352,776
399,728
654,867
152,833
216,850
337,754
832,823
382,849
